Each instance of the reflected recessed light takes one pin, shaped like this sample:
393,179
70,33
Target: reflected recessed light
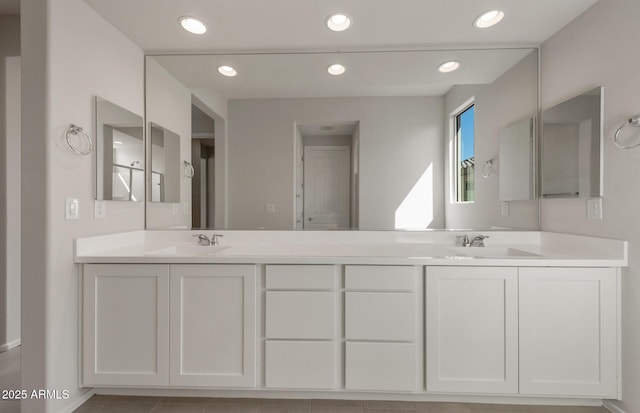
118,142
447,67
227,71
488,19
192,25
336,69
338,22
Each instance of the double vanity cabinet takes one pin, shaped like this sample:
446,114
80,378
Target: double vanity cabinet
352,327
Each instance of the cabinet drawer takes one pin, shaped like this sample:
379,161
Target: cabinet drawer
380,316
300,365
301,277
381,366
380,278
300,314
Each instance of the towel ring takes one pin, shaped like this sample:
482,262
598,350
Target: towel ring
487,168
188,169
75,131
635,121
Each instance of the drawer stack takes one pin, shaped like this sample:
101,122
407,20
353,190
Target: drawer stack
381,306
300,326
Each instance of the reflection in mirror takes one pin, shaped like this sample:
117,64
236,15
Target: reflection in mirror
278,125
119,154
572,147
165,165
517,160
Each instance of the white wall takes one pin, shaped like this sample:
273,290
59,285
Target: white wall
169,105
10,202
70,54
9,181
512,97
400,137
597,49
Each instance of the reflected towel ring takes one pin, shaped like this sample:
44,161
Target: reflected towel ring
188,169
635,121
487,168
77,131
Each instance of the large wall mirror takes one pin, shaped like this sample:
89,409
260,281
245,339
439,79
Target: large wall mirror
277,142
572,147
119,153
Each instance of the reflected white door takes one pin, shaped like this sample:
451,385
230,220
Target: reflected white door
327,171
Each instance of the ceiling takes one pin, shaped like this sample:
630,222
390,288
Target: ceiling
243,25
368,74
379,50
9,6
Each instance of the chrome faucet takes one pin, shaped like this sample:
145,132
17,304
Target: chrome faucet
478,241
202,239
214,239
462,241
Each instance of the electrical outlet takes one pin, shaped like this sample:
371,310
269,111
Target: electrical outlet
99,209
270,208
72,208
186,208
594,208
504,209
175,209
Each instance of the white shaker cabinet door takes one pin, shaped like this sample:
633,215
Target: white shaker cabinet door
213,325
125,316
472,329
568,331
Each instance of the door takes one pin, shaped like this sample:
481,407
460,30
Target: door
327,177
472,329
568,331
125,315
213,325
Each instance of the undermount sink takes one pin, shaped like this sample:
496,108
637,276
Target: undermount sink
491,252
191,250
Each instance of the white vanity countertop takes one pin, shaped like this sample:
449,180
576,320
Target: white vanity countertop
503,248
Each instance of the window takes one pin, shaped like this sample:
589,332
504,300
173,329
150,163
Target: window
464,124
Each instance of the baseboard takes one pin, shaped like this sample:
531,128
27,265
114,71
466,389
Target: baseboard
8,346
79,402
612,407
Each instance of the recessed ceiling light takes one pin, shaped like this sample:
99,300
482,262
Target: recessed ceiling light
118,142
227,71
450,66
488,19
338,22
336,69
192,25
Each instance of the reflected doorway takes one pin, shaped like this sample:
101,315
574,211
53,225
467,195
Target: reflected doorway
203,161
327,176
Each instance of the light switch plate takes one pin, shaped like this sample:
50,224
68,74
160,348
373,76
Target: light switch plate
270,208
594,208
175,209
72,208
99,209
186,208
504,208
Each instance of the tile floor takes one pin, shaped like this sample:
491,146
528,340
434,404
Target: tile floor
131,404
